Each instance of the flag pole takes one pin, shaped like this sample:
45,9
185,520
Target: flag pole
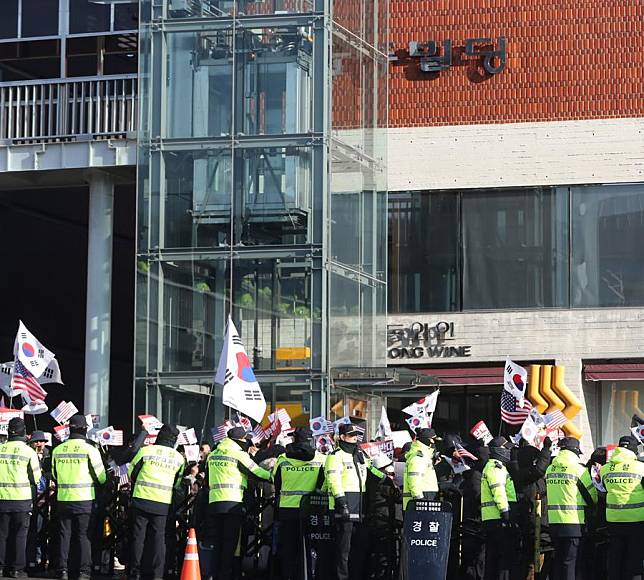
205,417
35,422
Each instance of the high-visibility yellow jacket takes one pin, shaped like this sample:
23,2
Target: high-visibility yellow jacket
570,492
19,475
155,472
228,469
497,491
297,477
622,477
419,477
77,468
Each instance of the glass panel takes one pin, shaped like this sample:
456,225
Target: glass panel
37,59
126,16
9,20
273,312
345,336
515,249
82,57
276,84
199,84
423,252
351,15
273,208
619,402
214,8
39,17
87,16
607,241
120,54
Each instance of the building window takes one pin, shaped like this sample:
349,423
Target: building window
24,61
619,401
39,18
515,249
424,254
86,16
607,241
9,20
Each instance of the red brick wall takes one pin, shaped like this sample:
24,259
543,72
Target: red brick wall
567,59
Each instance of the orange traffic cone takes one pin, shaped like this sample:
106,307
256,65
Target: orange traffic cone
190,569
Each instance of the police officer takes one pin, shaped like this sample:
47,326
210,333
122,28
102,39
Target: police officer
623,478
419,478
296,473
228,468
155,473
570,492
346,477
19,475
498,497
77,469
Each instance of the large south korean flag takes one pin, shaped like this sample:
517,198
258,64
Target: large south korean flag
241,389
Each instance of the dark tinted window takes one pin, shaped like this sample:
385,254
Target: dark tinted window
126,16
39,18
423,252
9,19
29,60
85,16
607,241
515,249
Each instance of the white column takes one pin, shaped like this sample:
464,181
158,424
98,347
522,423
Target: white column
99,295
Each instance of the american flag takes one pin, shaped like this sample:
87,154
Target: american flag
361,432
511,413
258,434
555,419
464,453
23,380
219,433
64,412
187,437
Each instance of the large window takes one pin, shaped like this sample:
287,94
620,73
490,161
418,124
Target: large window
607,241
516,248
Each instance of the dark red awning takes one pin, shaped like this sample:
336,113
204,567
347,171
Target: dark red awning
466,376
614,372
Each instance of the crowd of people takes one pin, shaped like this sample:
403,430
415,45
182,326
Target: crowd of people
519,512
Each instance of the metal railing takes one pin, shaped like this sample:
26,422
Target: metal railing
61,110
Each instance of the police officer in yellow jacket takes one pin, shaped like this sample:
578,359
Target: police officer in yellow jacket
297,473
623,478
570,493
419,477
77,469
345,471
228,468
155,473
19,475
498,499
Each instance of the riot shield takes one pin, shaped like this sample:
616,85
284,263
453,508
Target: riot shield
426,540
317,531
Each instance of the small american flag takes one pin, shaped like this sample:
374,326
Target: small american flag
219,433
464,453
361,432
187,437
23,380
555,419
511,413
258,434
64,412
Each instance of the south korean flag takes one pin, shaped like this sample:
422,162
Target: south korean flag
241,389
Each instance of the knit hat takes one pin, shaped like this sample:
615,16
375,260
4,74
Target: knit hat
167,435
17,427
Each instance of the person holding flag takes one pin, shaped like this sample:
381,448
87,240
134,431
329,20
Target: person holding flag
19,476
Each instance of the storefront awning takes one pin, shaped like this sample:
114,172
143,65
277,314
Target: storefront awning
466,376
614,372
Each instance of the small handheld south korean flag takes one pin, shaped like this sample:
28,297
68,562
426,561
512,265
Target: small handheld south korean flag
241,389
515,381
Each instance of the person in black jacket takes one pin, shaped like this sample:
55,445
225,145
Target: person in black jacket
528,473
383,509
473,547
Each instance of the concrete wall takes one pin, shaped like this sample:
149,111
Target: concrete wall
517,154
